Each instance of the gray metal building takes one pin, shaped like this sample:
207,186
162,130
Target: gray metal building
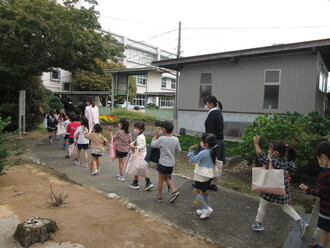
275,79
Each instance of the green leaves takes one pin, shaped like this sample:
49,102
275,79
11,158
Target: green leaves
303,132
38,35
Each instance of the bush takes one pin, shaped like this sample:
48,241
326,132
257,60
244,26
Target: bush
303,132
136,108
4,151
35,98
152,106
132,115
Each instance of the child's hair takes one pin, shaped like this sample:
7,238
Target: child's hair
97,128
211,140
139,125
58,111
323,148
51,113
73,117
168,125
283,150
213,99
84,121
124,124
78,112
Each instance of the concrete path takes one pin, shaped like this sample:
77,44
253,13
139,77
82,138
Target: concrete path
228,226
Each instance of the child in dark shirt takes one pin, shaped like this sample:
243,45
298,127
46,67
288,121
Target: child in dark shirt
322,153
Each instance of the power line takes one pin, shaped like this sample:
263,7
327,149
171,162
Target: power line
234,28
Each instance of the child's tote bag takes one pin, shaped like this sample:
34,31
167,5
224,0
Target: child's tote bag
136,165
112,150
269,181
72,149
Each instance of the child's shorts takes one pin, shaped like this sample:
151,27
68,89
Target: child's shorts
50,129
164,169
121,154
66,137
203,186
82,146
323,224
96,155
71,140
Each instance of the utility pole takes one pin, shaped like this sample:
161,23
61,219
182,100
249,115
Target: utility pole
175,113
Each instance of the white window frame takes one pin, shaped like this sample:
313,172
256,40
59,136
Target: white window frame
140,100
141,78
164,80
272,84
166,102
173,84
58,78
204,84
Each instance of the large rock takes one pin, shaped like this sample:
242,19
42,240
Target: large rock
34,230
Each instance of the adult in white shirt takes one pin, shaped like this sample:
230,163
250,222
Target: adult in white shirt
92,114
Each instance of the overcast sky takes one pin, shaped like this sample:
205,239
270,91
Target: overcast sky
212,26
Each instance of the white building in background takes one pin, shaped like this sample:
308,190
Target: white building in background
153,85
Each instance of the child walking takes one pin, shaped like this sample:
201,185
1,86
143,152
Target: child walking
98,141
140,144
51,126
281,157
204,171
122,139
82,143
66,122
322,152
71,128
167,145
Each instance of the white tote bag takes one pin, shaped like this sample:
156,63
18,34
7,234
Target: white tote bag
269,181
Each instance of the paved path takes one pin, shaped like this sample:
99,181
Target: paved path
228,226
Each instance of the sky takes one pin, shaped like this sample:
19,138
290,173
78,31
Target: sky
213,26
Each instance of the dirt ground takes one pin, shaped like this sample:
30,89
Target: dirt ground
89,219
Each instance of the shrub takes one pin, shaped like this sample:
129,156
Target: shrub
4,151
136,108
132,115
303,132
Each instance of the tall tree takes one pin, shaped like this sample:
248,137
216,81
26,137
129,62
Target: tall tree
40,34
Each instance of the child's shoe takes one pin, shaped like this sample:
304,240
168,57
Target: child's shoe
67,156
206,213
84,164
76,162
98,168
148,186
134,185
174,195
94,172
201,211
158,199
257,226
121,178
302,227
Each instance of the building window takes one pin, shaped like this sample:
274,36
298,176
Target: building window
67,86
164,83
55,75
205,88
139,100
323,83
139,56
141,80
272,89
173,84
166,102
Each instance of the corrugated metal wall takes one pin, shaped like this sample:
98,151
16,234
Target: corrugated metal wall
240,86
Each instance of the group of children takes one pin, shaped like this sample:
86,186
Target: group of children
280,155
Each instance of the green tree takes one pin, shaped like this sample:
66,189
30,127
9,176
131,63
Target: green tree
38,35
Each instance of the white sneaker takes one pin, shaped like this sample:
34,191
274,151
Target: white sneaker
121,178
201,211
207,213
94,172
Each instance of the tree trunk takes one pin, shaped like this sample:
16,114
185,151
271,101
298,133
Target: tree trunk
34,230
